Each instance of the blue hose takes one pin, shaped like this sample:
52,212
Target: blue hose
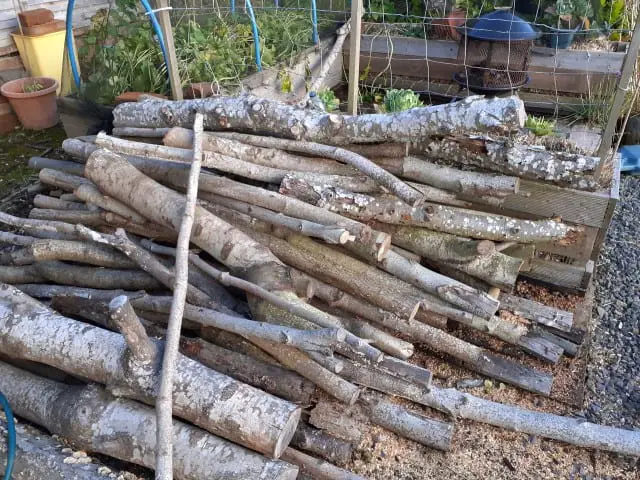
69,37
233,6
256,37
11,443
314,22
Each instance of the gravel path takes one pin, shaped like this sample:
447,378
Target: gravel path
613,376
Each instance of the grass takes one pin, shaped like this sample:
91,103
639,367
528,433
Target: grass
540,126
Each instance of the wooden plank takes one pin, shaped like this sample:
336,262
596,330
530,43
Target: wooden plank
354,62
562,276
10,63
580,249
167,32
537,312
573,71
611,207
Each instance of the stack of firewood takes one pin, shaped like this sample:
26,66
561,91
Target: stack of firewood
314,273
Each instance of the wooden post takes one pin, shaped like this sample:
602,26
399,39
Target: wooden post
618,100
167,32
354,55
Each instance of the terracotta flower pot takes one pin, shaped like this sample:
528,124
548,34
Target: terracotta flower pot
36,109
447,28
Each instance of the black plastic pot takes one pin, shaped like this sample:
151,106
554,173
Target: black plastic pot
560,38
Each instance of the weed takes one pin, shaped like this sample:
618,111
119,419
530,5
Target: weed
540,126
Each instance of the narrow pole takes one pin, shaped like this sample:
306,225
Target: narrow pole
167,32
354,55
618,99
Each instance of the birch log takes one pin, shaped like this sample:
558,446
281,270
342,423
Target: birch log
456,221
322,444
91,277
251,114
52,203
38,163
94,419
574,431
477,258
90,194
468,183
64,181
527,161
202,396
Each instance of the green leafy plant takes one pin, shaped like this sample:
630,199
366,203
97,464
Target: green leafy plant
540,126
379,10
33,86
399,100
568,13
329,99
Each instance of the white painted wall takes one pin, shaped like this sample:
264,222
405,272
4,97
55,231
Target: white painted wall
82,13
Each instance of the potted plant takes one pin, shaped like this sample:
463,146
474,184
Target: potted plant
563,19
33,99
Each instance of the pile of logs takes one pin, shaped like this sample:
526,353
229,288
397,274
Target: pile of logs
296,277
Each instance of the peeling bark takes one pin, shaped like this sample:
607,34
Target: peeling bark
251,114
202,396
124,429
525,161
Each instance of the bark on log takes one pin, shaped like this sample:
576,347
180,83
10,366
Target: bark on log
525,161
381,176
202,396
399,420
477,258
316,468
15,239
322,444
89,193
73,168
91,277
70,197
247,113
85,217
141,132
472,184
268,157
21,274
124,429
456,221
297,361
40,228
537,312
52,203
574,431
51,291
38,456
68,250
64,181
272,379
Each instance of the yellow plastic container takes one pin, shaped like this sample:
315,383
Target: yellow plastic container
43,55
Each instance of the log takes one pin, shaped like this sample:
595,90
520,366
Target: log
67,250
14,239
400,421
38,456
468,183
70,197
64,181
141,132
381,176
164,400
574,431
272,379
565,346
297,361
84,217
505,156
478,258
202,396
52,203
91,277
21,274
332,56
456,221
537,312
40,228
320,340
51,291
316,468
89,193
73,168
328,233
322,444
268,157
251,114
124,429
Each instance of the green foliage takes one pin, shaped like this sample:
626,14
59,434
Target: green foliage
329,99
612,15
540,126
399,100
379,10
122,54
33,86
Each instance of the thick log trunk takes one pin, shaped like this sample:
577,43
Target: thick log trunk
322,444
272,379
537,312
202,396
477,258
91,417
268,157
456,221
21,274
526,161
565,429
251,114
468,183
